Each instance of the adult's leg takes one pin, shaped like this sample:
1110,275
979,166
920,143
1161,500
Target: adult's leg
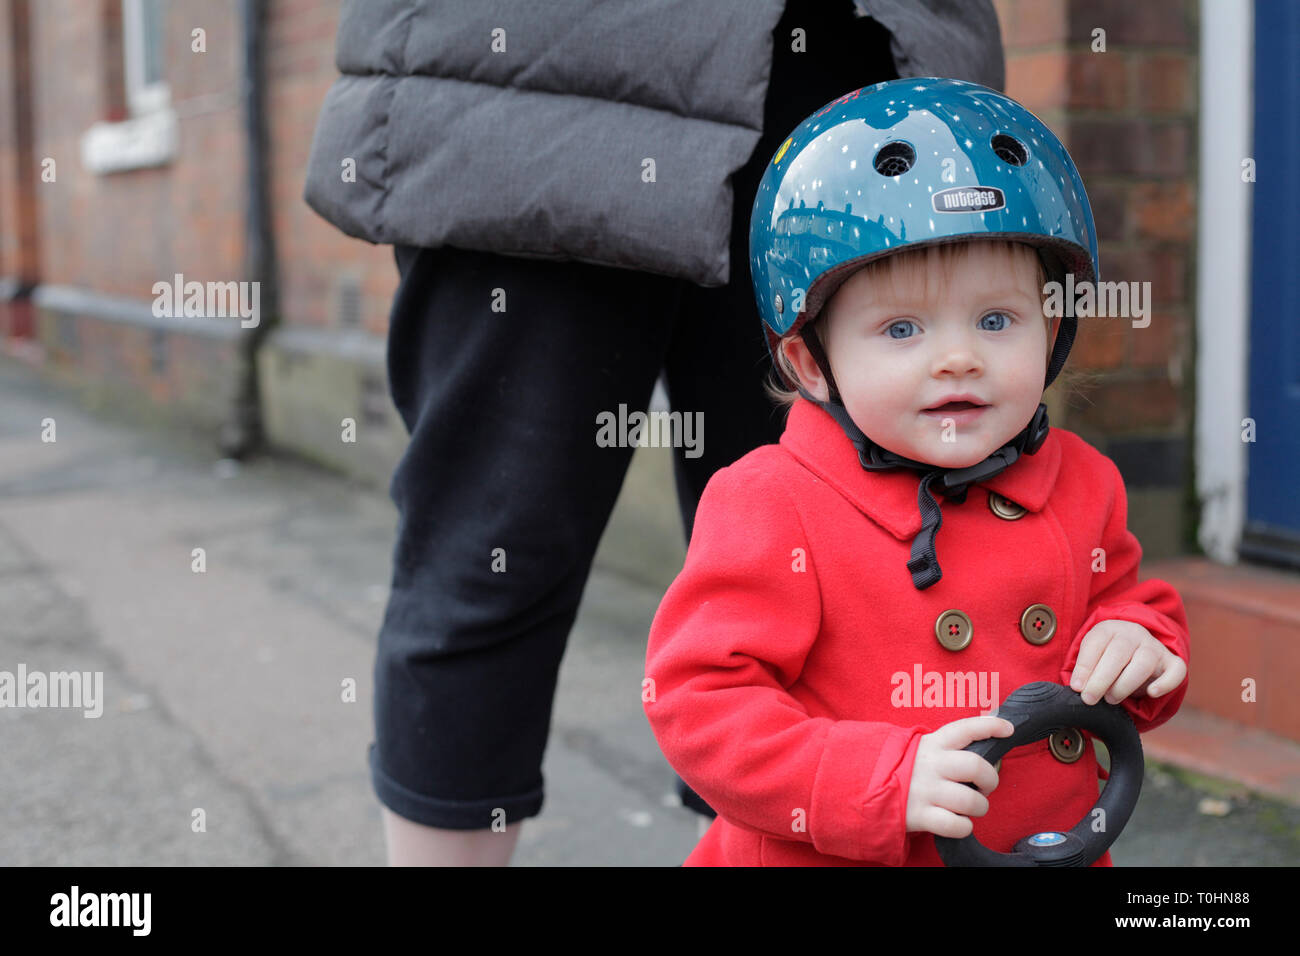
502,495
718,359
414,844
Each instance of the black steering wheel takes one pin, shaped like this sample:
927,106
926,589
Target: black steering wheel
1039,710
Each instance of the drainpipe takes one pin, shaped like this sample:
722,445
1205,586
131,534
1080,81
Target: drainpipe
243,433
20,272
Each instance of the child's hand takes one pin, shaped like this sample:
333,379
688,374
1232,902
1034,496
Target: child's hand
1121,659
938,800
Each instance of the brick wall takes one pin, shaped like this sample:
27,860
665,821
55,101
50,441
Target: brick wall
315,256
120,232
116,234
1128,115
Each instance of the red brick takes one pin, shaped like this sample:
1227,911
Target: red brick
1103,145
1099,343
1164,268
1128,23
1155,345
1130,147
1118,406
1163,149
1097,81
1006,14
1166,84
310,30
1028,23
285,12
1164,211
1109,200
1038,80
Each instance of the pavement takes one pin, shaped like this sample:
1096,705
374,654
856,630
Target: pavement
228,734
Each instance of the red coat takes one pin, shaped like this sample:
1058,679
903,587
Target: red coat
774,661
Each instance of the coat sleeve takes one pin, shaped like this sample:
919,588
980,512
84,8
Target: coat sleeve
1116,594
729,639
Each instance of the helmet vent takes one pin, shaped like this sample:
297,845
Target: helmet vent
1010,150
894,158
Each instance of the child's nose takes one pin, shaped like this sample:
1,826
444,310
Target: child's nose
957,353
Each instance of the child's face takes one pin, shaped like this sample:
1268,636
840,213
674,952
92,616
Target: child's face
903,341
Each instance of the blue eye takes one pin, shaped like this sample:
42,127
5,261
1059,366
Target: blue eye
895,325
1000,326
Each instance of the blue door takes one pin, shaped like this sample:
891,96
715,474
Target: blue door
1272,531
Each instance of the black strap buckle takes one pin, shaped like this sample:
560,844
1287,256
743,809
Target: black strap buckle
1037,430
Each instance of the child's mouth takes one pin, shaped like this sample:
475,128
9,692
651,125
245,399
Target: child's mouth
963,413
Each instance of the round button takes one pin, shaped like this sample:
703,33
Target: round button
1004,507
1050,838
1038,624
953,629
1066,745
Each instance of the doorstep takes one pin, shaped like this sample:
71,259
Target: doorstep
1201,742
1240,719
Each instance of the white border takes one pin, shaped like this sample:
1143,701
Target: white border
1223,273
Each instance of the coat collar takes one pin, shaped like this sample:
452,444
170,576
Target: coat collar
890,497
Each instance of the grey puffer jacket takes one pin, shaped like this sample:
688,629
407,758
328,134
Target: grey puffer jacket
605,132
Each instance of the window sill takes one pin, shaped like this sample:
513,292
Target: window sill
137,143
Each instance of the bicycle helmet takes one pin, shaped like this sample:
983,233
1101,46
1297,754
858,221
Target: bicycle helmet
900,165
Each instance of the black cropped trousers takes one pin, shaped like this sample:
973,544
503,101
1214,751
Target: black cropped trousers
501,408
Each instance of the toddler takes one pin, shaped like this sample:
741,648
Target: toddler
838,635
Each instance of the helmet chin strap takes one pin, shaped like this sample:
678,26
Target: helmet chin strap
951,482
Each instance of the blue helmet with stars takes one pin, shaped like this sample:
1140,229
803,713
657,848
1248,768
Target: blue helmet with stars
904,164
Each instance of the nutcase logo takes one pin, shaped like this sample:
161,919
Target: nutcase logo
968,199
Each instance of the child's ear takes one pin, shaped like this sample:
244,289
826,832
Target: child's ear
810,374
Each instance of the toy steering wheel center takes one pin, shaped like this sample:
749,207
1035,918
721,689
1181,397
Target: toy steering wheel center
1038,711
